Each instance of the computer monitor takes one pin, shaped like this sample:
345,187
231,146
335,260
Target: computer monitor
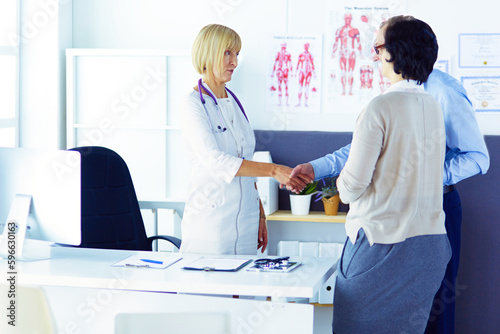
40,199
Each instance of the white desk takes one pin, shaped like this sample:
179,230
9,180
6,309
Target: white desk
84,310
91,269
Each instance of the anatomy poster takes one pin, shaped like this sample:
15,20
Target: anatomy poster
352,78
294,74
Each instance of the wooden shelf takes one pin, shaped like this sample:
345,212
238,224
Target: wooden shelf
313,216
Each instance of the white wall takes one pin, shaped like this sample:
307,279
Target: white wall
46,30
174,24
450,18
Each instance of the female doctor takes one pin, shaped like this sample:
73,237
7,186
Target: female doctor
223,213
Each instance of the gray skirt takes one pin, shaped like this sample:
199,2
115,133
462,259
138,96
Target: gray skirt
388,288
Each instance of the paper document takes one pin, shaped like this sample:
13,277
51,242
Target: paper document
217,264
153,260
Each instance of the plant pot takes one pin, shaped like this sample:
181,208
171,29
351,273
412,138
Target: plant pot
300,204
331,205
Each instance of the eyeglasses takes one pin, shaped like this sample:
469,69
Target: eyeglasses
377,48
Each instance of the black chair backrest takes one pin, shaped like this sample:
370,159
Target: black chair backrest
111,217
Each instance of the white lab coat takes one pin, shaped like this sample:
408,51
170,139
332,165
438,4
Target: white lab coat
222,211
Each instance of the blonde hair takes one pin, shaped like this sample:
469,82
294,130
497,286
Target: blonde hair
209,47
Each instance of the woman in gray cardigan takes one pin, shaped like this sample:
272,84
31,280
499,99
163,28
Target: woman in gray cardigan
397,250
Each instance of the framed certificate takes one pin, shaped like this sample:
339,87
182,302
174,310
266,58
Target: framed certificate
479,50
484,92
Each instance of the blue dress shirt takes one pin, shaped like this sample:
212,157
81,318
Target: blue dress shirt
466,152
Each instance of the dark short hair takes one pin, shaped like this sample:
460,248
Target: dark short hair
412,45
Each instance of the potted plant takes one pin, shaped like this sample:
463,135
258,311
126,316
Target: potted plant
301,202
329,194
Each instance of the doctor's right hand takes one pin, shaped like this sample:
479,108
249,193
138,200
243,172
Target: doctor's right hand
305,171
284,176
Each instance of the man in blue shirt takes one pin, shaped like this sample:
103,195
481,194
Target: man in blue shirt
466,155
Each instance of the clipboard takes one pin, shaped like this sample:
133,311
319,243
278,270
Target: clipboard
217,264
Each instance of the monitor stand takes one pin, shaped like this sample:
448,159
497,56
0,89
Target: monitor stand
14,246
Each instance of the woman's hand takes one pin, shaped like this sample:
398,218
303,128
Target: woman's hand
294,182
262,242
307,172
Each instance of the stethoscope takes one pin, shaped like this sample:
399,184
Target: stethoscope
279,263
222,127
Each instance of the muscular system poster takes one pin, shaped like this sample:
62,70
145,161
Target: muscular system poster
294,74
352,78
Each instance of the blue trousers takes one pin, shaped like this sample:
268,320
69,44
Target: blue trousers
442,317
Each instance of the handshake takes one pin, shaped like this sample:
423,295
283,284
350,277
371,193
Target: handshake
294,179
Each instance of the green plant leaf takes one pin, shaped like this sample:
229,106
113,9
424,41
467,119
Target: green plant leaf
309,189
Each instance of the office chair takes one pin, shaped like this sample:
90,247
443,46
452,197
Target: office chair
111,217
